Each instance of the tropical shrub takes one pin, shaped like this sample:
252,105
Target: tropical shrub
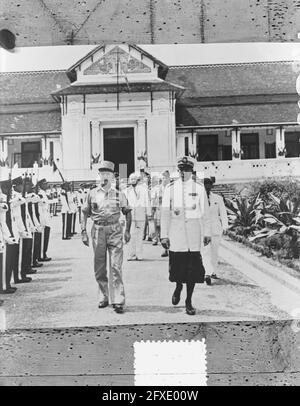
281,218
244,214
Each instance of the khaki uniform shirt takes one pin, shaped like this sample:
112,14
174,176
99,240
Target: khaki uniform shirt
103,205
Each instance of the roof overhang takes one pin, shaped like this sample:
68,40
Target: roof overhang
132,87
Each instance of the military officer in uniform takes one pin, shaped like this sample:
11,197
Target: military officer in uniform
104,205
185,228
219,224
65,211
45,218
5,239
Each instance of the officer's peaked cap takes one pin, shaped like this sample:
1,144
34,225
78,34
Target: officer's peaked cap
185,161
106,166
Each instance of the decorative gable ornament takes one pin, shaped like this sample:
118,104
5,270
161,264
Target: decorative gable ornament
116,61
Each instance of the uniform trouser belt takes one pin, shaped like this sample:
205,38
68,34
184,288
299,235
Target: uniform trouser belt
106,222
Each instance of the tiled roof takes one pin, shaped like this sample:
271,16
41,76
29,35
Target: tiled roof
264,113
30,122
232,80
35,87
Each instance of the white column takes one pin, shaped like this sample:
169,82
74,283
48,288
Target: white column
95,139
236,143
3,149
141,137
45,153
280,142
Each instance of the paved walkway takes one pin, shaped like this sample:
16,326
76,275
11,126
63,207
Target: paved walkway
64,292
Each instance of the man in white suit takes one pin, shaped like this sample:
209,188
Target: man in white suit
138,198
219,224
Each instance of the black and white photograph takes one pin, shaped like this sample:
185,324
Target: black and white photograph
150,195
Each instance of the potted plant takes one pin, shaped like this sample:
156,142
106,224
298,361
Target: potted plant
282,152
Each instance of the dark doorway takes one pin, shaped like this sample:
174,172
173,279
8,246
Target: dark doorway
292,144
250,146
30,153
270,150
119,147
207,147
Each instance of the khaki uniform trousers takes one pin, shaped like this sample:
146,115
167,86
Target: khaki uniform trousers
109,239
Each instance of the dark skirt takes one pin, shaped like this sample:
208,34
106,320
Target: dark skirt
186,267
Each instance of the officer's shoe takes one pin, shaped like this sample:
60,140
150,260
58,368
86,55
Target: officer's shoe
190,310
214,276
208,280
118,309
31,272
8,291
45,259
103,304
24,280
164,254
176,297
37,265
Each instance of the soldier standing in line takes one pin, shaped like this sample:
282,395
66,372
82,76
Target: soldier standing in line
17,212
104,205
65,212
45,219
73,209
27,242
185,227
80,199
55,200
33,209
5,239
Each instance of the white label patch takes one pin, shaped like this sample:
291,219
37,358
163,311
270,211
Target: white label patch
170,363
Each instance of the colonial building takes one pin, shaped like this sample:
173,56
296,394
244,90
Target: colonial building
231,106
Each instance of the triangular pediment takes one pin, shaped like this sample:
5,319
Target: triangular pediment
106,62
115,61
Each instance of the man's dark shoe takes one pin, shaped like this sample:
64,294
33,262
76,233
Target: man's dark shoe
208,280
103,304
31,272
164,254
24,280
176,297
8,291
118,309
37,265
190,310
214,276
45,259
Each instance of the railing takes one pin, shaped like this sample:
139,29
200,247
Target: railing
248,170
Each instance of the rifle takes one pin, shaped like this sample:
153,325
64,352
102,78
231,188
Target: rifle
55,168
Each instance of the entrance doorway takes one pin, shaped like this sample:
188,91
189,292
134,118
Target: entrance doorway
207,147
250,146
30,153
119,147
292,145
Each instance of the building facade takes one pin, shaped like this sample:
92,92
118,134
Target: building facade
123,103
